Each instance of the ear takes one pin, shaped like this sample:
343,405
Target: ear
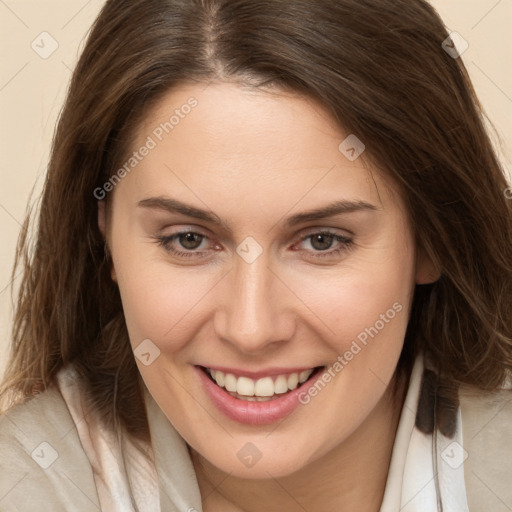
426,272
102,223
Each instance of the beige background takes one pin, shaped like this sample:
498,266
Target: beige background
32,91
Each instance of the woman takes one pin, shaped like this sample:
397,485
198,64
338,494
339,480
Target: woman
271,272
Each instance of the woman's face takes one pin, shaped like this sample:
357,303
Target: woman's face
247,240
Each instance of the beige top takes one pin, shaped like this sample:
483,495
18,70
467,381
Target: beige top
52,458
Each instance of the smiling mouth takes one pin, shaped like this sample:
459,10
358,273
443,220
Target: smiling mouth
263,389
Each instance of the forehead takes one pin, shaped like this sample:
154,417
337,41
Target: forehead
255,143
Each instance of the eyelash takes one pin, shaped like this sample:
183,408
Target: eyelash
165,241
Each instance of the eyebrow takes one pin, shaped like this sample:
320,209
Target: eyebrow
330,210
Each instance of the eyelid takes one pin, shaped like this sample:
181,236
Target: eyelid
326,229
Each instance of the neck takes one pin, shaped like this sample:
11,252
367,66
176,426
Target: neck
351,477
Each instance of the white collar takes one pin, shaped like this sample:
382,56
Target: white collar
417,457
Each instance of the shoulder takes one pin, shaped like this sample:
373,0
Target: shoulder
487,440
43,465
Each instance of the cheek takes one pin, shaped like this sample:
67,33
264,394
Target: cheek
162,303
365,333
365,294
159,300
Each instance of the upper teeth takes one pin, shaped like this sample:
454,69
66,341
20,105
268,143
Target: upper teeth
266,386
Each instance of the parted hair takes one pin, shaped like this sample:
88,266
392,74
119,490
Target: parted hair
378,66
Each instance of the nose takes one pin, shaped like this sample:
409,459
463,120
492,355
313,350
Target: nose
254,311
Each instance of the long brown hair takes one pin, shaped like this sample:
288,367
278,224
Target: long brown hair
384,77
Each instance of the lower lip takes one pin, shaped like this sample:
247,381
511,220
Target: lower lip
254,413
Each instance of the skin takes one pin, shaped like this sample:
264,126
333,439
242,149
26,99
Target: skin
254,157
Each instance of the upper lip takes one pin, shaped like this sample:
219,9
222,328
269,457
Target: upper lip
268,372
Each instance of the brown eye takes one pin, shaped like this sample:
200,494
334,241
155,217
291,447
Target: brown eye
190,240
322,241
326,244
